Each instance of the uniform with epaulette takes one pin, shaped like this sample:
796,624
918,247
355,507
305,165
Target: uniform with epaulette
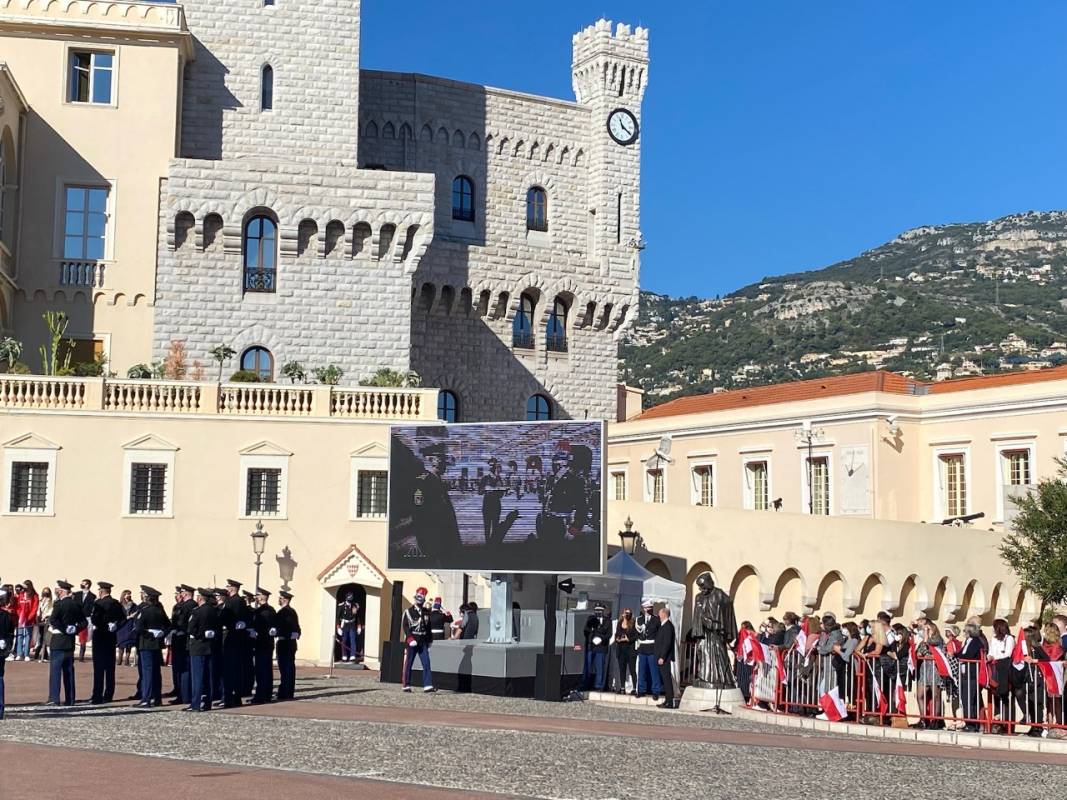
68,618
648,677
433,517
204,631
417,637
248,648
287,625
264,629
235,623
107,616
154,627
179,644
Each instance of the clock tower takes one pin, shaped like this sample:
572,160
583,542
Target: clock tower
610,72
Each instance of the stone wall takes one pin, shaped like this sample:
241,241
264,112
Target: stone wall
313,48
349,242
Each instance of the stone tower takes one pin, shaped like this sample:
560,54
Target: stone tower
609,73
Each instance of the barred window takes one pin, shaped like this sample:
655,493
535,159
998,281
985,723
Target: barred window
148,488
371,497
264,491
29,487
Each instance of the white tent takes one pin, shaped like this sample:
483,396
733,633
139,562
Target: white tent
630,583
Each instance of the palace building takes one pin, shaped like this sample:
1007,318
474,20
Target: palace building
225,174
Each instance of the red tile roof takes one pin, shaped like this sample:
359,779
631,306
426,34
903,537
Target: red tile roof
876,381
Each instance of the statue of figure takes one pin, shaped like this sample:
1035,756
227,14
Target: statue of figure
715,628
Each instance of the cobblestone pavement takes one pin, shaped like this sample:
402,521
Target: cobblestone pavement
354,727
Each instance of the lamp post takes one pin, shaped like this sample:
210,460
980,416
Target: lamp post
286,567
809,436
630,538
259,545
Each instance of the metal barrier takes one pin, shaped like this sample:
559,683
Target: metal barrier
935,692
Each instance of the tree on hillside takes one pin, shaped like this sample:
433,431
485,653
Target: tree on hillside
1036,549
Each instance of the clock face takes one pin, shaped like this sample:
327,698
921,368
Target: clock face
622,125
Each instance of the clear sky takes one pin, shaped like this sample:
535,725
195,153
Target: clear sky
783,136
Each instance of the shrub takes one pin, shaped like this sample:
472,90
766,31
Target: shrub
140,372
329,375
245,376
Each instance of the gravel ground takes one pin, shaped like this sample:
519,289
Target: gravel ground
541,765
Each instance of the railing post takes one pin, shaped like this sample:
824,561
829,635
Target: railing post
209,398
94,394
428,404
321,398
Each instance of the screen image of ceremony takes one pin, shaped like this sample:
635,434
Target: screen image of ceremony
497,497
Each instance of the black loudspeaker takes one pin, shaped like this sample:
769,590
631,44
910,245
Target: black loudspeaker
546,682
392,661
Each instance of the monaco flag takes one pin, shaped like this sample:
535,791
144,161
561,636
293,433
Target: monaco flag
1053,674
832,705
941,662
913,658
1020,651
985,677
902,698
881,704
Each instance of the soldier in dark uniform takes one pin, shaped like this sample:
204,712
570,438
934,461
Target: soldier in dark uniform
85,596
179,643
348,627
287,632
107,617
597,638
68,618
417,638
264,629
235,622
433,518
439,621
154,627
203,631
647,671
248,648
563,508
217,598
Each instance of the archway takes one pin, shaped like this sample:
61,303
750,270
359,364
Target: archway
872,596
789,594
745,592
359,595
831,595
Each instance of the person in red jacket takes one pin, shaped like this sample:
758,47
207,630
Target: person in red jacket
26,614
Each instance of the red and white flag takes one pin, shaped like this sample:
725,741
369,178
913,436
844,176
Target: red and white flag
901,697
913,658
986,678
832,705
881,703
1053,674
781,665
1020,651
941,662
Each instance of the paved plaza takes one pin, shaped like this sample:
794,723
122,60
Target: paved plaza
350,736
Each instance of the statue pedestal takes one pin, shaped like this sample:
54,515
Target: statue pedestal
695,698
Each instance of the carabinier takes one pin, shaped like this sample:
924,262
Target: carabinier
264,629
235,623
179,643
204,632
287,625
648,678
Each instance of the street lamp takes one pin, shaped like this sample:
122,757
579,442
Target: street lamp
630,538
809,436
259,545
286,567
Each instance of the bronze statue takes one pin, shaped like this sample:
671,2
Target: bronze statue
715,629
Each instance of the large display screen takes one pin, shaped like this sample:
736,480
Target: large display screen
497,497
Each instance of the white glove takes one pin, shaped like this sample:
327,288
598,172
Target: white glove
3,644
54,630
597,640
252,633
112,627
240,626
156,632
412,643
72,629
169,639
340,632
294,636
209,634
359,630
273,631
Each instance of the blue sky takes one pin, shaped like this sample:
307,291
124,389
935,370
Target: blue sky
783,136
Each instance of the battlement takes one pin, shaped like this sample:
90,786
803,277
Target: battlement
610,63
599,40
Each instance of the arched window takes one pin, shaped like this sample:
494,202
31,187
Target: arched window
463,199
556,330
536,209
522,327
266,89
447,406
538,408
260,361
261,251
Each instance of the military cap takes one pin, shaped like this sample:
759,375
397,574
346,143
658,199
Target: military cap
221,592
435,449
247,594
233,583
105,585
599,607
149,591
187,588
205,592
64,585
285,594
262,591
178,589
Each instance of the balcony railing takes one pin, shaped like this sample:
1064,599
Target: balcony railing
81,273
522,340
45,392
556,343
